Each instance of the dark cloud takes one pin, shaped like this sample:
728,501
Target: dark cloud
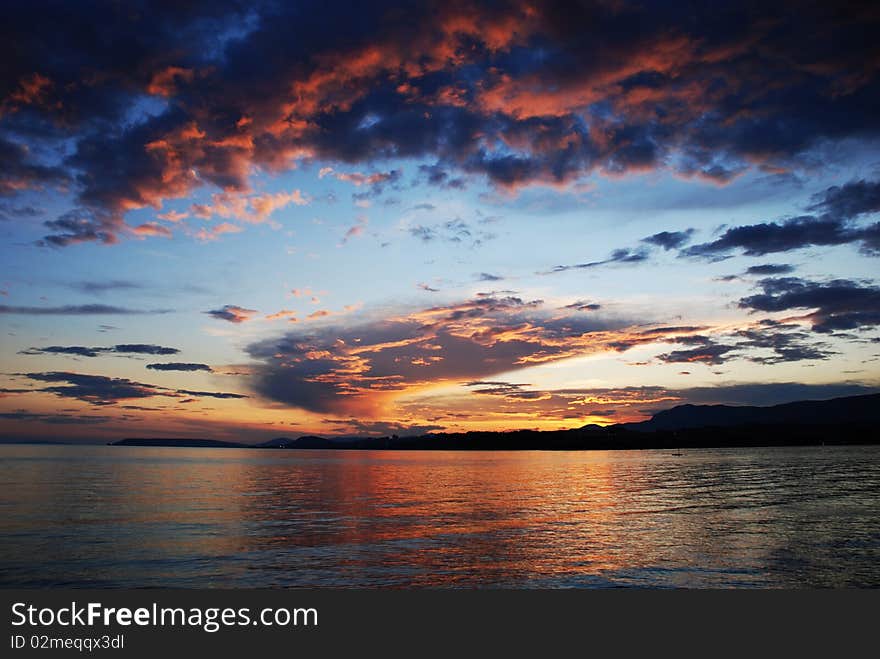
437,176
488,276
144,349
179,366
102,390
83,351
9,212
785,343
841,207
623,255
78,310
56,419
82,225
768,343
670,239
772,237
94,389
232,313
839,304
583,305
209,394
770,269
509,390
150,104
706,352
18,170
849,200
101,287
79,351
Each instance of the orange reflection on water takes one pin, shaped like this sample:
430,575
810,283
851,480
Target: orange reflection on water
206,517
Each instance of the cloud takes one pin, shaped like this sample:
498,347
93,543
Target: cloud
9,212
360,368
770,269
520,403
179,366
173,216
217,230
849,200
440,177
839,304
151,229
94,389
670,239
376,182
79,351
514,94
455,231
101,390
835,226
145,349
122,348
289,314
254,208
766,342
101,287
21,172
209,394
507,390
583,305
232,313
623,255
55,419
78,310
82,225
356,229
487,276
706,352
772,237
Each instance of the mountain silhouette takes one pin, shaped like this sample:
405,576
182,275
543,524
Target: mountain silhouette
852,409
839,421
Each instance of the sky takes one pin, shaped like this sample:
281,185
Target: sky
246,220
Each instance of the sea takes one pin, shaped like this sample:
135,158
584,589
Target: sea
133,517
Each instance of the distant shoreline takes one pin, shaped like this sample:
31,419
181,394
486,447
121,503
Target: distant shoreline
745,437
852,420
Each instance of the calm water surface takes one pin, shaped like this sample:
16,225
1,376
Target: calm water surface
102,516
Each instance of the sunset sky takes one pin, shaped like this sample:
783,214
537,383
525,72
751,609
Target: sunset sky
245,220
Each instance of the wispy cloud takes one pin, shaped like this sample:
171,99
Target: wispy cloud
78,310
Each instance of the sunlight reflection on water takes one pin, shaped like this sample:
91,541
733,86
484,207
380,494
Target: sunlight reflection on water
102,516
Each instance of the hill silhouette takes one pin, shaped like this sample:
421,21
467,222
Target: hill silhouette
849,420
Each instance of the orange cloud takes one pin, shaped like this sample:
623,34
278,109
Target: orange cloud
164,82
216,231
289,314
151,229
254,209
